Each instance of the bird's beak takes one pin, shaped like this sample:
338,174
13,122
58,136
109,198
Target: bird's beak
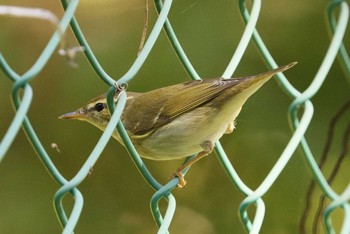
73,115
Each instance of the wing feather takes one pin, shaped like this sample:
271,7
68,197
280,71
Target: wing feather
173,102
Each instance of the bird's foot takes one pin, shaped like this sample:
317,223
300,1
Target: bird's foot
182,182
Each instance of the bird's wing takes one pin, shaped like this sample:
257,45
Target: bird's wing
201,92
170,102
171,105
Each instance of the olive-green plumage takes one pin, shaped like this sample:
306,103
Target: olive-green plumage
179,120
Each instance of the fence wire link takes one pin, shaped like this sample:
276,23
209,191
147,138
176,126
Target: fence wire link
300,113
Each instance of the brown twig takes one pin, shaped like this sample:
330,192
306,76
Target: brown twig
332,177
323,159
145,27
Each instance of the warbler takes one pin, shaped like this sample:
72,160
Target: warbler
180,120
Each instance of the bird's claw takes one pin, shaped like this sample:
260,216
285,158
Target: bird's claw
182,182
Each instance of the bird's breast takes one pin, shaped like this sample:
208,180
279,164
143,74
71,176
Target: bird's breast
183,136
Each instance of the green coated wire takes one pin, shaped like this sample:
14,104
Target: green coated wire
149,43
336,203
129,75
329,58
38,146
136,158
177,46
7,69
284,83
168,215
309,92
96,152
316,84
249,31
233,175
87,50
21,81
245,39
130,147
89,163
22,105
291,89
17,121
345,196
49,48
194,75
164,191
344,56
257,37
281,162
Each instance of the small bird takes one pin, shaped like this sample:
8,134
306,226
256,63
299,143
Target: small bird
180,120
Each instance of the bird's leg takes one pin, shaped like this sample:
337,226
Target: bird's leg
207,147
230,127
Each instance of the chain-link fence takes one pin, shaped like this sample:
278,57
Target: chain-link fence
301,111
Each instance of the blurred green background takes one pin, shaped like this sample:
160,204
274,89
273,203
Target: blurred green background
116,198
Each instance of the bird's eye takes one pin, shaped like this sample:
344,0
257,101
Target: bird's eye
99,107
